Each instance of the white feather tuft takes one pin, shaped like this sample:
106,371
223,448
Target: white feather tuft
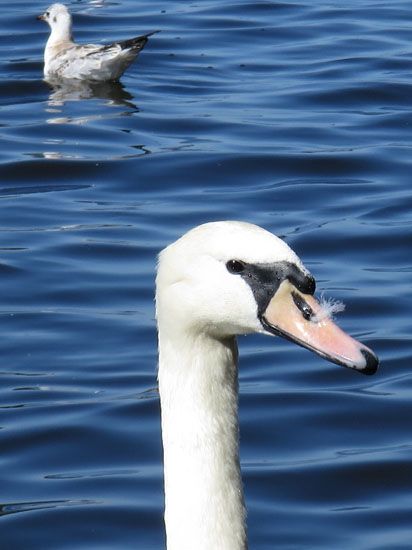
328,308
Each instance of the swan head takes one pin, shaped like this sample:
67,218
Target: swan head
223,279
57,16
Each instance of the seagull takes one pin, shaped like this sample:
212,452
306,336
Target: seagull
63,58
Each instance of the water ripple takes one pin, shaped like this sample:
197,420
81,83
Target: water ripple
292,115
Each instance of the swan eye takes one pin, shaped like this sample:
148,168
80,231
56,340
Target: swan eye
235,266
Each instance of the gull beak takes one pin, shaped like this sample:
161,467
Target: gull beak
41,17
301,319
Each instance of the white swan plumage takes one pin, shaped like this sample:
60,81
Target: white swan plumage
219,280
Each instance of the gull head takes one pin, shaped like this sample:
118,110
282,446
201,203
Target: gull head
57,16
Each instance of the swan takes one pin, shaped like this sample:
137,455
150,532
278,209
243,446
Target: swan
220,280
63,58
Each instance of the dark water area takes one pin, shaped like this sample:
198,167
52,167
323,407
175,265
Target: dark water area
296,116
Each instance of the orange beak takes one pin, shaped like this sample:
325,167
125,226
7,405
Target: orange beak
300,318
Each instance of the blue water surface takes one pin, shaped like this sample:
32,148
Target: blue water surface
294,115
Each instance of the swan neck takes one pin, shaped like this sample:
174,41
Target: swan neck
198,385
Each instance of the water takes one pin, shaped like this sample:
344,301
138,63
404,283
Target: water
293,115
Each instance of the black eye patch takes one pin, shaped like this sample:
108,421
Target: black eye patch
265,279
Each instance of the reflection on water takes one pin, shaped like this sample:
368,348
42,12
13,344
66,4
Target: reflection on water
63,90
18,507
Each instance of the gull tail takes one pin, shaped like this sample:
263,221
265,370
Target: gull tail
136,44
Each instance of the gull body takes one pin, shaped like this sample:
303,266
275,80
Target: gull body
63,58
220,280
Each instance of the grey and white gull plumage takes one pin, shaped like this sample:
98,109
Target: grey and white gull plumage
63,58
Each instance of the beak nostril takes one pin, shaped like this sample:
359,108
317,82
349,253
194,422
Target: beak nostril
302,306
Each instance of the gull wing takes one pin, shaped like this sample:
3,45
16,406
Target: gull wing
98,62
